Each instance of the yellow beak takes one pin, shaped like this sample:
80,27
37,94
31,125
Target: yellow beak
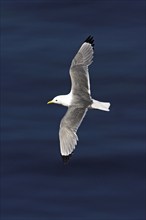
50,102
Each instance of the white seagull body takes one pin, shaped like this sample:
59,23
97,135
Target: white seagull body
79,99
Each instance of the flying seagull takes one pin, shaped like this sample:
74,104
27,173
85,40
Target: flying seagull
79,99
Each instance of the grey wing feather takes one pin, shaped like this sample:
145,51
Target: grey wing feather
79,69
84,56
68,128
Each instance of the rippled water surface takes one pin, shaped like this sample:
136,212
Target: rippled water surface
105,178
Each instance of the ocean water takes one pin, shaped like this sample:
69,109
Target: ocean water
105,178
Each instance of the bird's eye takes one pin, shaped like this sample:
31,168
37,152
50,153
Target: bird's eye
56,100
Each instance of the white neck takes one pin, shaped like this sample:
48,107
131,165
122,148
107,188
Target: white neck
65,99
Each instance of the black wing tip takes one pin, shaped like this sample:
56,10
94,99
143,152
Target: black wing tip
90,40
66,158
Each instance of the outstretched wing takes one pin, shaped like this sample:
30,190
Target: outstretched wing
79,67
68,128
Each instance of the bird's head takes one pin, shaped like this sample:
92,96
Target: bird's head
56,100
64,100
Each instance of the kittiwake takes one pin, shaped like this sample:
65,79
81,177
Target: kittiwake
79,99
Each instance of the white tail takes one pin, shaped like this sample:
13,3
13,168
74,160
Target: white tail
100,105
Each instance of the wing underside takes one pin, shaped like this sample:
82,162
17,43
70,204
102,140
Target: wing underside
79,67
68,128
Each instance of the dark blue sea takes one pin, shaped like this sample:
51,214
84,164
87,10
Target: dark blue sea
106,176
